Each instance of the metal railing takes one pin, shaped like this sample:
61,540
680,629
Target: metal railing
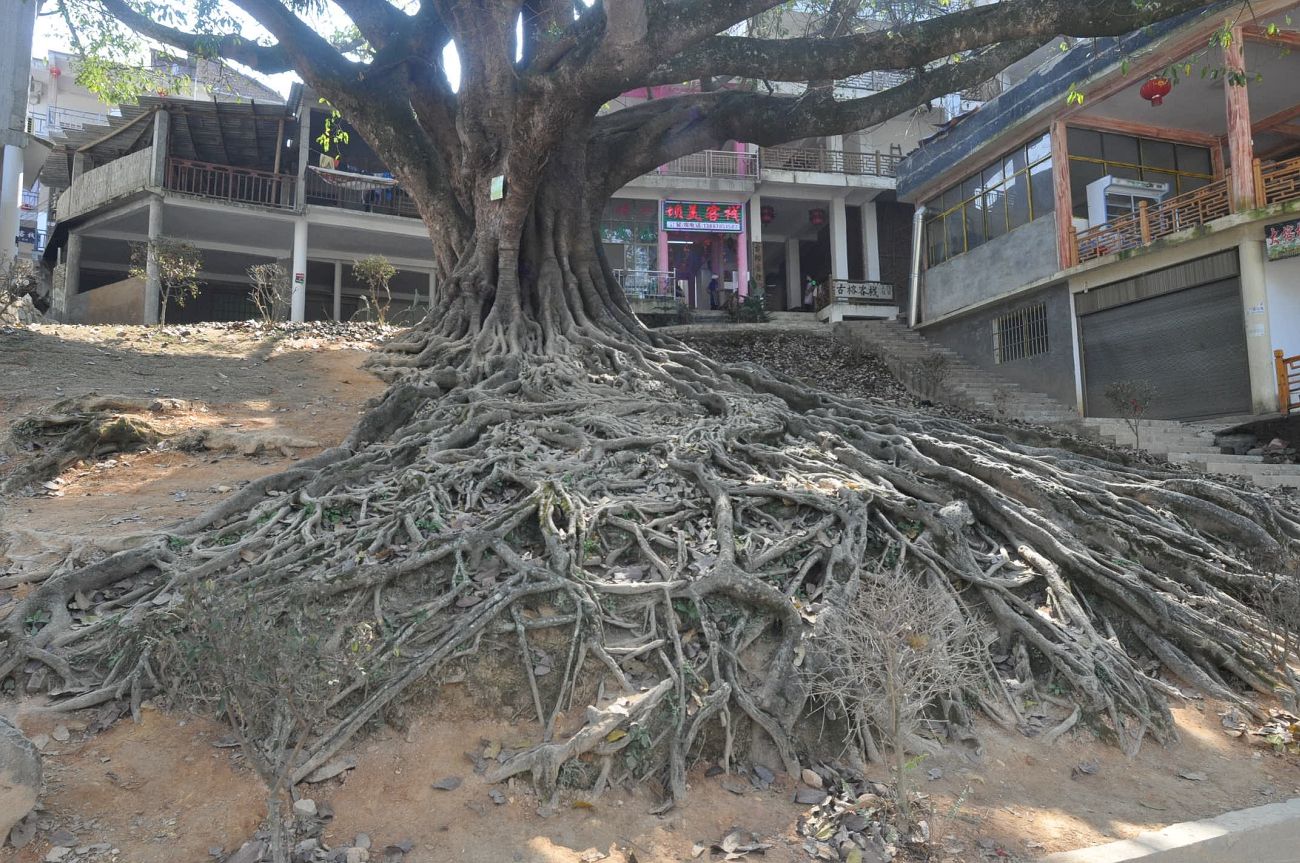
1148,224
829,161
359,192
236,185
854,292
726,164
874,81
1288,382
50,120
648,284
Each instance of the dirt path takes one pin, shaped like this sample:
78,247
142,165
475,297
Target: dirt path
161,792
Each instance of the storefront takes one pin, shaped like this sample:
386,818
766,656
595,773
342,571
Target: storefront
704,239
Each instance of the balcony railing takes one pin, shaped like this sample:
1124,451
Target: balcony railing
236,185
725,164
829,161
53,120
874,81
1148,224
363,192
648,284
853,292
1277,183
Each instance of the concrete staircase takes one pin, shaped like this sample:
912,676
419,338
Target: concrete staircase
961,383
1192,444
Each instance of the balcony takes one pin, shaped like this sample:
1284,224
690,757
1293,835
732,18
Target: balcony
874,81
360,192
723,164
1274,184
232,185
829,161
52,121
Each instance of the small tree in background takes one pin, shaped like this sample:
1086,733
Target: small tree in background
1131,399
179,265
18,278
885,655
270,292
375,272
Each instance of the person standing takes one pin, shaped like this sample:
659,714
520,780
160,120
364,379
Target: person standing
809,294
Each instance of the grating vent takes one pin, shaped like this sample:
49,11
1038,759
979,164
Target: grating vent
1020,334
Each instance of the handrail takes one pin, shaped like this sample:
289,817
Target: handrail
727,164
875,164
370,194
1278,182
1150,223
226,183
1288,381
647,284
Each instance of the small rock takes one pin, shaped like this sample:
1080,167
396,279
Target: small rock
305,808
733,786
60,733
934,773
764,775
809,796
497,797
63,837
23,832
20,776
57,854
250,852
356,855
592,855
362,841
811,779
715,770
1192,775
447,783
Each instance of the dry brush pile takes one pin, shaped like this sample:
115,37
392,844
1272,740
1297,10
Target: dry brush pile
658,537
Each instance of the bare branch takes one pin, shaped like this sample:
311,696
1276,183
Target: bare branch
267,59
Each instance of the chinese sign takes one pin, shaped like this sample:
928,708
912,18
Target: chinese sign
701,216
1282,240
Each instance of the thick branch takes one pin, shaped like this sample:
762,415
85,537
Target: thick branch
267,59
914,45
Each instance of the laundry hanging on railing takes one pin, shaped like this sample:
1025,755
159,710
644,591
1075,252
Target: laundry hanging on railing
346,180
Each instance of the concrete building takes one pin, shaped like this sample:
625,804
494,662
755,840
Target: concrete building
1146,233
15,47
246,183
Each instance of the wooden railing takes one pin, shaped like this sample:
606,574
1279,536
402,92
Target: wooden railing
1277,183
1288,382
237,185
1148,224
854,292
829,161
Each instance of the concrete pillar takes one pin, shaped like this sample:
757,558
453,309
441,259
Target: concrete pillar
1241,148
839,240
433,287
11,199
742,254
663,241
1259,344
152,280
755,236
304,152
793,280
79,161
871,241
62,293
161,144
298,296
338,290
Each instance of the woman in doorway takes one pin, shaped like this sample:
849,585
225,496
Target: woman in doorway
809,294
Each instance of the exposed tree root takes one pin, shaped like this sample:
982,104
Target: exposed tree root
657,514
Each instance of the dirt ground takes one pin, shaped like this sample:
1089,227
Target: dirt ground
160,791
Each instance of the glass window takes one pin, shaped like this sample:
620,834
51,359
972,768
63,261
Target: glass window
995,213
1039,148
1040,189
1018,200
1194,160
953,231
1158,154
1120,148
1162,177
974,224
1187,183
934,240
1084,142
1081,174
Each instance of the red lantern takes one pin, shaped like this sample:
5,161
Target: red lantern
55,71
767,214
1156,89
817,216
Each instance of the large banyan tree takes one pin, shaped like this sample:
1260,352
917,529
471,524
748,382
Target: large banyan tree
641,529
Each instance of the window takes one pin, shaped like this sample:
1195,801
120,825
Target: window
1094,155
1011,191
1020,334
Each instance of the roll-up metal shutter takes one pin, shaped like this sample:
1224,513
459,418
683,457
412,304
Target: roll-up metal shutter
1190,344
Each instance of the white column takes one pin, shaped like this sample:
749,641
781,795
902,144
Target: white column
839,240
304,142
338,290
152,279
871,241
793,284
11,200
1259,344
755,234
433,287
298,296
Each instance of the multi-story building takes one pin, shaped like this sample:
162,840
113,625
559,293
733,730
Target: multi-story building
770,217
1127,212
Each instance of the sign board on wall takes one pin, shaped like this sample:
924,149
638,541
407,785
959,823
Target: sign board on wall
702,216
1282,240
